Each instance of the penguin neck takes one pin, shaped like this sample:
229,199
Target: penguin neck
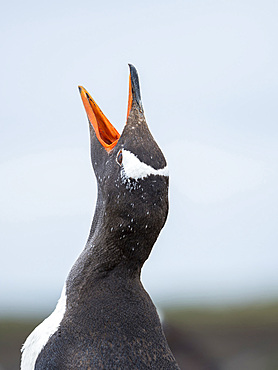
108,258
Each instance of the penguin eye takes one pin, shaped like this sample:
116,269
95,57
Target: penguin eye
120,157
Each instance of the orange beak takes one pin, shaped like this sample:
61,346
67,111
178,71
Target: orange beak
106,133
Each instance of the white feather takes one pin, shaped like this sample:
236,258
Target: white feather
135,169
40,336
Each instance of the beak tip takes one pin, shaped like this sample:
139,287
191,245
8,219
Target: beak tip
133,70
134,79
80,89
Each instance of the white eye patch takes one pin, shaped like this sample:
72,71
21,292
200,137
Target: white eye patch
133,168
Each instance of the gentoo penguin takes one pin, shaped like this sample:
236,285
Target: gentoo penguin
105,319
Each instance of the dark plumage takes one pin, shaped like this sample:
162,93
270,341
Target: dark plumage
110,322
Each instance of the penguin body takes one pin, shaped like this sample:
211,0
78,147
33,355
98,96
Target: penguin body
105,319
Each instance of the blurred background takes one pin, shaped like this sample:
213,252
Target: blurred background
208,73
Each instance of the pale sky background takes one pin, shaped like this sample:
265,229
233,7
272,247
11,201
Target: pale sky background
209,78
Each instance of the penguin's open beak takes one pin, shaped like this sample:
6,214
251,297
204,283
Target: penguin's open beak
106,133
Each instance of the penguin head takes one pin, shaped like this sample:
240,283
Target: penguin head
131,173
